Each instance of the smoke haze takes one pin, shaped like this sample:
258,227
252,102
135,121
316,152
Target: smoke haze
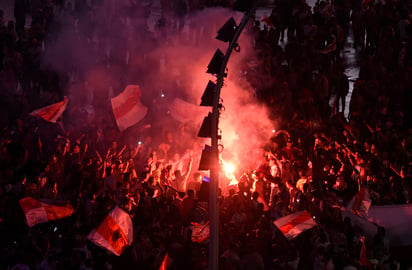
111,47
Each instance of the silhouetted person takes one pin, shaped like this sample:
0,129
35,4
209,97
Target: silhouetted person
21,8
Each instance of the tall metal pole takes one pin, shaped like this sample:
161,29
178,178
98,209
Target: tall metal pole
214,170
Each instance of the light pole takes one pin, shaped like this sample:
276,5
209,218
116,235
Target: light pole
215,168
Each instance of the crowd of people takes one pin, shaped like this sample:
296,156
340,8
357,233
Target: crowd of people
317,161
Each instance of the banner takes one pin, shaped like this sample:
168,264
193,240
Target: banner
396,219
294,224
115,233
127,107
40,212
52,112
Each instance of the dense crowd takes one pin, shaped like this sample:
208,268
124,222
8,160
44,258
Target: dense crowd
317,161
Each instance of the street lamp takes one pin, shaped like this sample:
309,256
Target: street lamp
230,32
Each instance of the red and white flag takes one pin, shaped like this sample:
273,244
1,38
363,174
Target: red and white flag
200,232
294,224
52,112
115,233
361,203
41,212
127,107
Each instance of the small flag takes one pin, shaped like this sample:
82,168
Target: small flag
115,233
127,107
363,260
40,212
52,112
294,224
361,203
200,232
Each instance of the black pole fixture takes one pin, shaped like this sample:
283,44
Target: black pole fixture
205,130
216,62
208,95
205,159
228,31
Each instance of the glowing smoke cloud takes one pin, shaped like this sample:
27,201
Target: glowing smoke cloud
173,65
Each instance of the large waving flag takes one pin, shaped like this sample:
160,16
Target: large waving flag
115,233
127,107
41,212
294,224
52,112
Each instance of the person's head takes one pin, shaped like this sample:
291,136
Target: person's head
109,170
10,25
198,177
272,162
114,145
255,195
284,156
159,165
190,193
305,187
176,157
177,173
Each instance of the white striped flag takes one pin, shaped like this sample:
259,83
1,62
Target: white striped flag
115,233
41,212
294,224
127,107
52,112
200,232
